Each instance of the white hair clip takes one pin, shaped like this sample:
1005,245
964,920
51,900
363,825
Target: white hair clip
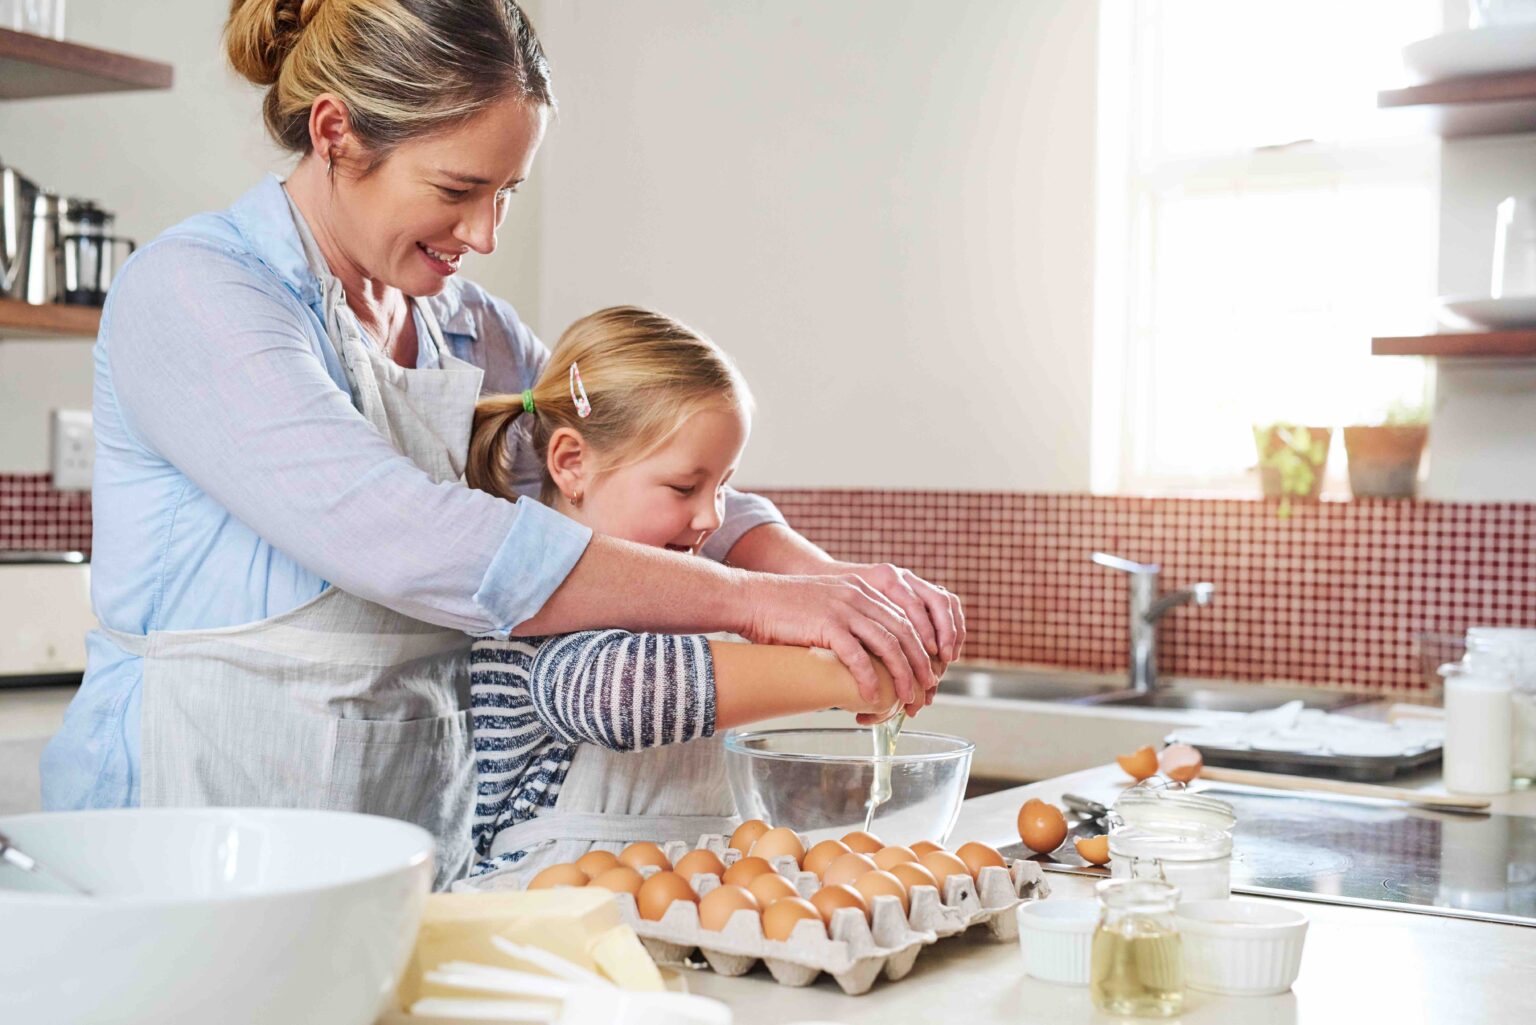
579,394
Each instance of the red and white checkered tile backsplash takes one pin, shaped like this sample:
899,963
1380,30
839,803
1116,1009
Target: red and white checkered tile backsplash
1339,593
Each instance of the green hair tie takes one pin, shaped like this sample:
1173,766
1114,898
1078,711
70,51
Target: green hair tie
528,401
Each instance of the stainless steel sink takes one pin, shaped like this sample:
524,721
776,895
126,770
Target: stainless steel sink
1240,697
1068,687
1028,684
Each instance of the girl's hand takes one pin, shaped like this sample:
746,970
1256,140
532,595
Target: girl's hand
879,713
846,615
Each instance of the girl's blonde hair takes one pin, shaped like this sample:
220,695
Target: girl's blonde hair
405,68
644,374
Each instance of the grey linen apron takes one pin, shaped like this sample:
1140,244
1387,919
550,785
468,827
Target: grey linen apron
340,703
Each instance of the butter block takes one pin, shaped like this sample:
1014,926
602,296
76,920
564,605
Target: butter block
622,958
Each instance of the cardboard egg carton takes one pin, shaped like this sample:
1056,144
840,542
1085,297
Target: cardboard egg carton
853,950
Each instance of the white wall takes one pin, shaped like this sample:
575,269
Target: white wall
882,208
155,158
1483,436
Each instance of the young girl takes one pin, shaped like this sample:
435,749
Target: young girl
602,737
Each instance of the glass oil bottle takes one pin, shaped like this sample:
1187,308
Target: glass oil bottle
1137,964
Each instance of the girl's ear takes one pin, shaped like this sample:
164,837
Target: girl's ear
567,462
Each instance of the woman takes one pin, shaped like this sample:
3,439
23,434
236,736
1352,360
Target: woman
286,567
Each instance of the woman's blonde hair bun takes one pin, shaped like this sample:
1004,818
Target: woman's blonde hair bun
261,34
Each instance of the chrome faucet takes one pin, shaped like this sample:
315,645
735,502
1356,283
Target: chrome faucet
1147,610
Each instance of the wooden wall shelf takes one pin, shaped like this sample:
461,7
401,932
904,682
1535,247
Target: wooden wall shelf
23,320
33,66
1478,345
1483,105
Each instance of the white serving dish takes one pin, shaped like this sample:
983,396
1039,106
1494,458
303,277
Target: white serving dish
1056,939
225,915
1476,51
1510,313
1241,947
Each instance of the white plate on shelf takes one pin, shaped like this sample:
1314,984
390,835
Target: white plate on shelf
1473,51
1511,313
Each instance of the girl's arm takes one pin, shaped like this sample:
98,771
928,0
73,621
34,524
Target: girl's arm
754,682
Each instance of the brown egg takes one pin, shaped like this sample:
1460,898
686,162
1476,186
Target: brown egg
1093,849
747,833
886,857
770,886
1042,826
1139,764
638,855
943,865
864,843
882,884
595,863
782,916
700,861
978,856
745,870
833,898
925,847
1180,762
660,892
558,875
847,868
823,854
619,879
913,874
719,904
779,843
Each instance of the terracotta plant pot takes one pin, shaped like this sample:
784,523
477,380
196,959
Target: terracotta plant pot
1384,461
1268,443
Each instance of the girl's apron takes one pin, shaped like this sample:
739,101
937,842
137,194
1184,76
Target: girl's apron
340,703
612,798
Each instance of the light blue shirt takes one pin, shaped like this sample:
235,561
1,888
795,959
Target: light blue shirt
235,480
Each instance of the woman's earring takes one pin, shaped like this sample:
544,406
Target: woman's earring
329,168
576,499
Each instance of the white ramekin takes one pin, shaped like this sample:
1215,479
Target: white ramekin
1056,939
1241,947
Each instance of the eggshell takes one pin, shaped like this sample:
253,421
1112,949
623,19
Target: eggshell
1042,826
659,892
595,863
619,879
638,855
847,868
913,874
864,843
719,904
880,883
1139,764
943,865
779,843
823,854
701,860
925,847
745,870
558,875
747,833
834,898
978,856
770,886
1093,849
1180,762
782,916
886,857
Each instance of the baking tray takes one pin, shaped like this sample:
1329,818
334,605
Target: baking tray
1361,768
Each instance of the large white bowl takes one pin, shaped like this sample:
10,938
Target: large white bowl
214,916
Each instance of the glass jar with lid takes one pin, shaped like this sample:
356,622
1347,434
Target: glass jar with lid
1175,836
1505,654
1136,967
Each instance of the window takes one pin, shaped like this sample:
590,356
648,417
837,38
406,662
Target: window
1259,221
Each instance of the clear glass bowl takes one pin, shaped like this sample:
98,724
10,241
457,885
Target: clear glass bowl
818,781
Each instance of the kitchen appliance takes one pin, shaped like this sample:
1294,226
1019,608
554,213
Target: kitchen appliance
45,604
87,252
18,197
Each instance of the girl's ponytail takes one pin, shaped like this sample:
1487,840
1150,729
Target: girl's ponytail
489,466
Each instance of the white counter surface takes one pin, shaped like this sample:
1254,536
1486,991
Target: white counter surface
1360,965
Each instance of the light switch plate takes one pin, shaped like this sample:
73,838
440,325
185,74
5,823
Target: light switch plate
72,449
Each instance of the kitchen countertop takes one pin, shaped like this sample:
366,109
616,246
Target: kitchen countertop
1360,964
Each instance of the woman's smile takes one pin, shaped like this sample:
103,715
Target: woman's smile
443,263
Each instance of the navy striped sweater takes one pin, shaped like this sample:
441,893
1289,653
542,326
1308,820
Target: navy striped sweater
533,699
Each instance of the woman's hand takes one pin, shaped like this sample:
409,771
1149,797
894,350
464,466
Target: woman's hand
933,611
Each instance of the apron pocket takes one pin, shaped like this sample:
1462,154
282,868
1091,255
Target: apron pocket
419,770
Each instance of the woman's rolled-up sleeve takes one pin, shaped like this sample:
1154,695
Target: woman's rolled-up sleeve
214,372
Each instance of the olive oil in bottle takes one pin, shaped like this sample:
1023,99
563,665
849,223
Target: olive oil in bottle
1137,959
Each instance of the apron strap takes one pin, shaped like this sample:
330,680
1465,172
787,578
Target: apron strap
595,827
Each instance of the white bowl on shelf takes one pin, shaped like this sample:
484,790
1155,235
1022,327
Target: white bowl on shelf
1507,313
1241,947
224,915
1490,50
1056,939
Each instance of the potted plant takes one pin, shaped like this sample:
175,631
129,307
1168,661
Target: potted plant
1384,458
1291,461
